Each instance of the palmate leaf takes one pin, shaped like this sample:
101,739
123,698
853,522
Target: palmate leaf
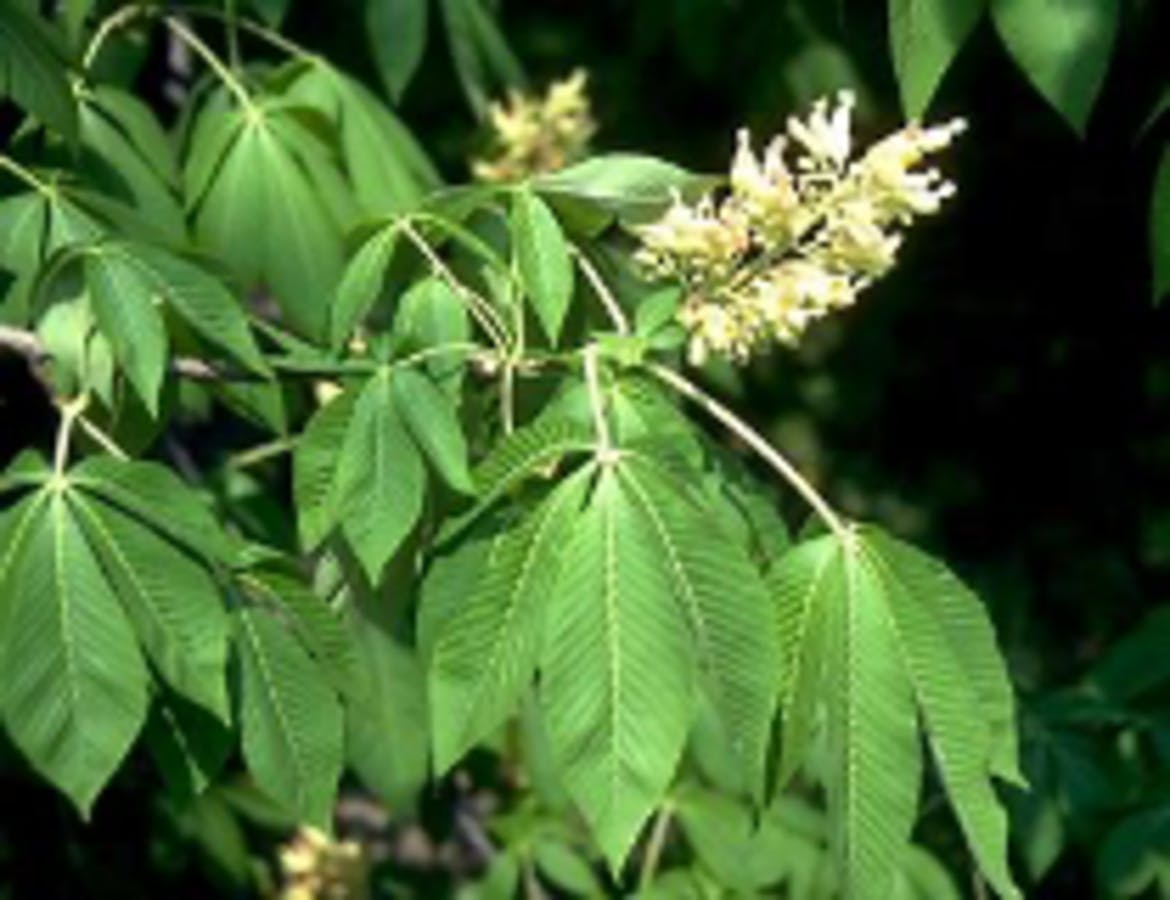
258,186
110,556
483,60
486,652
726,604
432,422
361,284
871,631
617,672
74,686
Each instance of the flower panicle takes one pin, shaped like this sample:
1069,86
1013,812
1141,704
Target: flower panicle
803,227
531,135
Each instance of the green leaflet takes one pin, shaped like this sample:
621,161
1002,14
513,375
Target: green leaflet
33,70
726,603
925,37
875,635
290,718
74,687
482,58
188,745
1063,48
617,185
265,211
124,307
542,258
104,133
617,670
432,422
315,469
319,629
152,274
950,656
431,314
155,495
389,170
171,599
359,465
361,285
386,726
486,651
380,478
397,32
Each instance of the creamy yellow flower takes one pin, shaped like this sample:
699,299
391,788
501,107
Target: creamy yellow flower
800,231
538,134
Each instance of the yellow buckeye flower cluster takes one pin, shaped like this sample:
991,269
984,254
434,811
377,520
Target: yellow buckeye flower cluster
317,868
802,230
539,134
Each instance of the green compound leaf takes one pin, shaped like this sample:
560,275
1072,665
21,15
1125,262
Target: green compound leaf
617,669
290,718
1063,46
33,70
73,685
879,636
259,189
542,258
925,37
486,653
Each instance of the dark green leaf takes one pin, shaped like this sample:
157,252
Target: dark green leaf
925,37
397,31
33,71
542,258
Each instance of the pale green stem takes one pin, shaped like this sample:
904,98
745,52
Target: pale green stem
609,302
254,28
597,401
253,456
753,439
70,412
108,26
480,309
654,846
438,350
102,439
229,80
25,175
532,888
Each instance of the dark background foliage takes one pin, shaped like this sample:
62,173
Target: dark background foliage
1002,398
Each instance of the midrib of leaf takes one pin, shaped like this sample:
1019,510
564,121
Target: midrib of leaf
790,689
278,709
613,638
74,685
